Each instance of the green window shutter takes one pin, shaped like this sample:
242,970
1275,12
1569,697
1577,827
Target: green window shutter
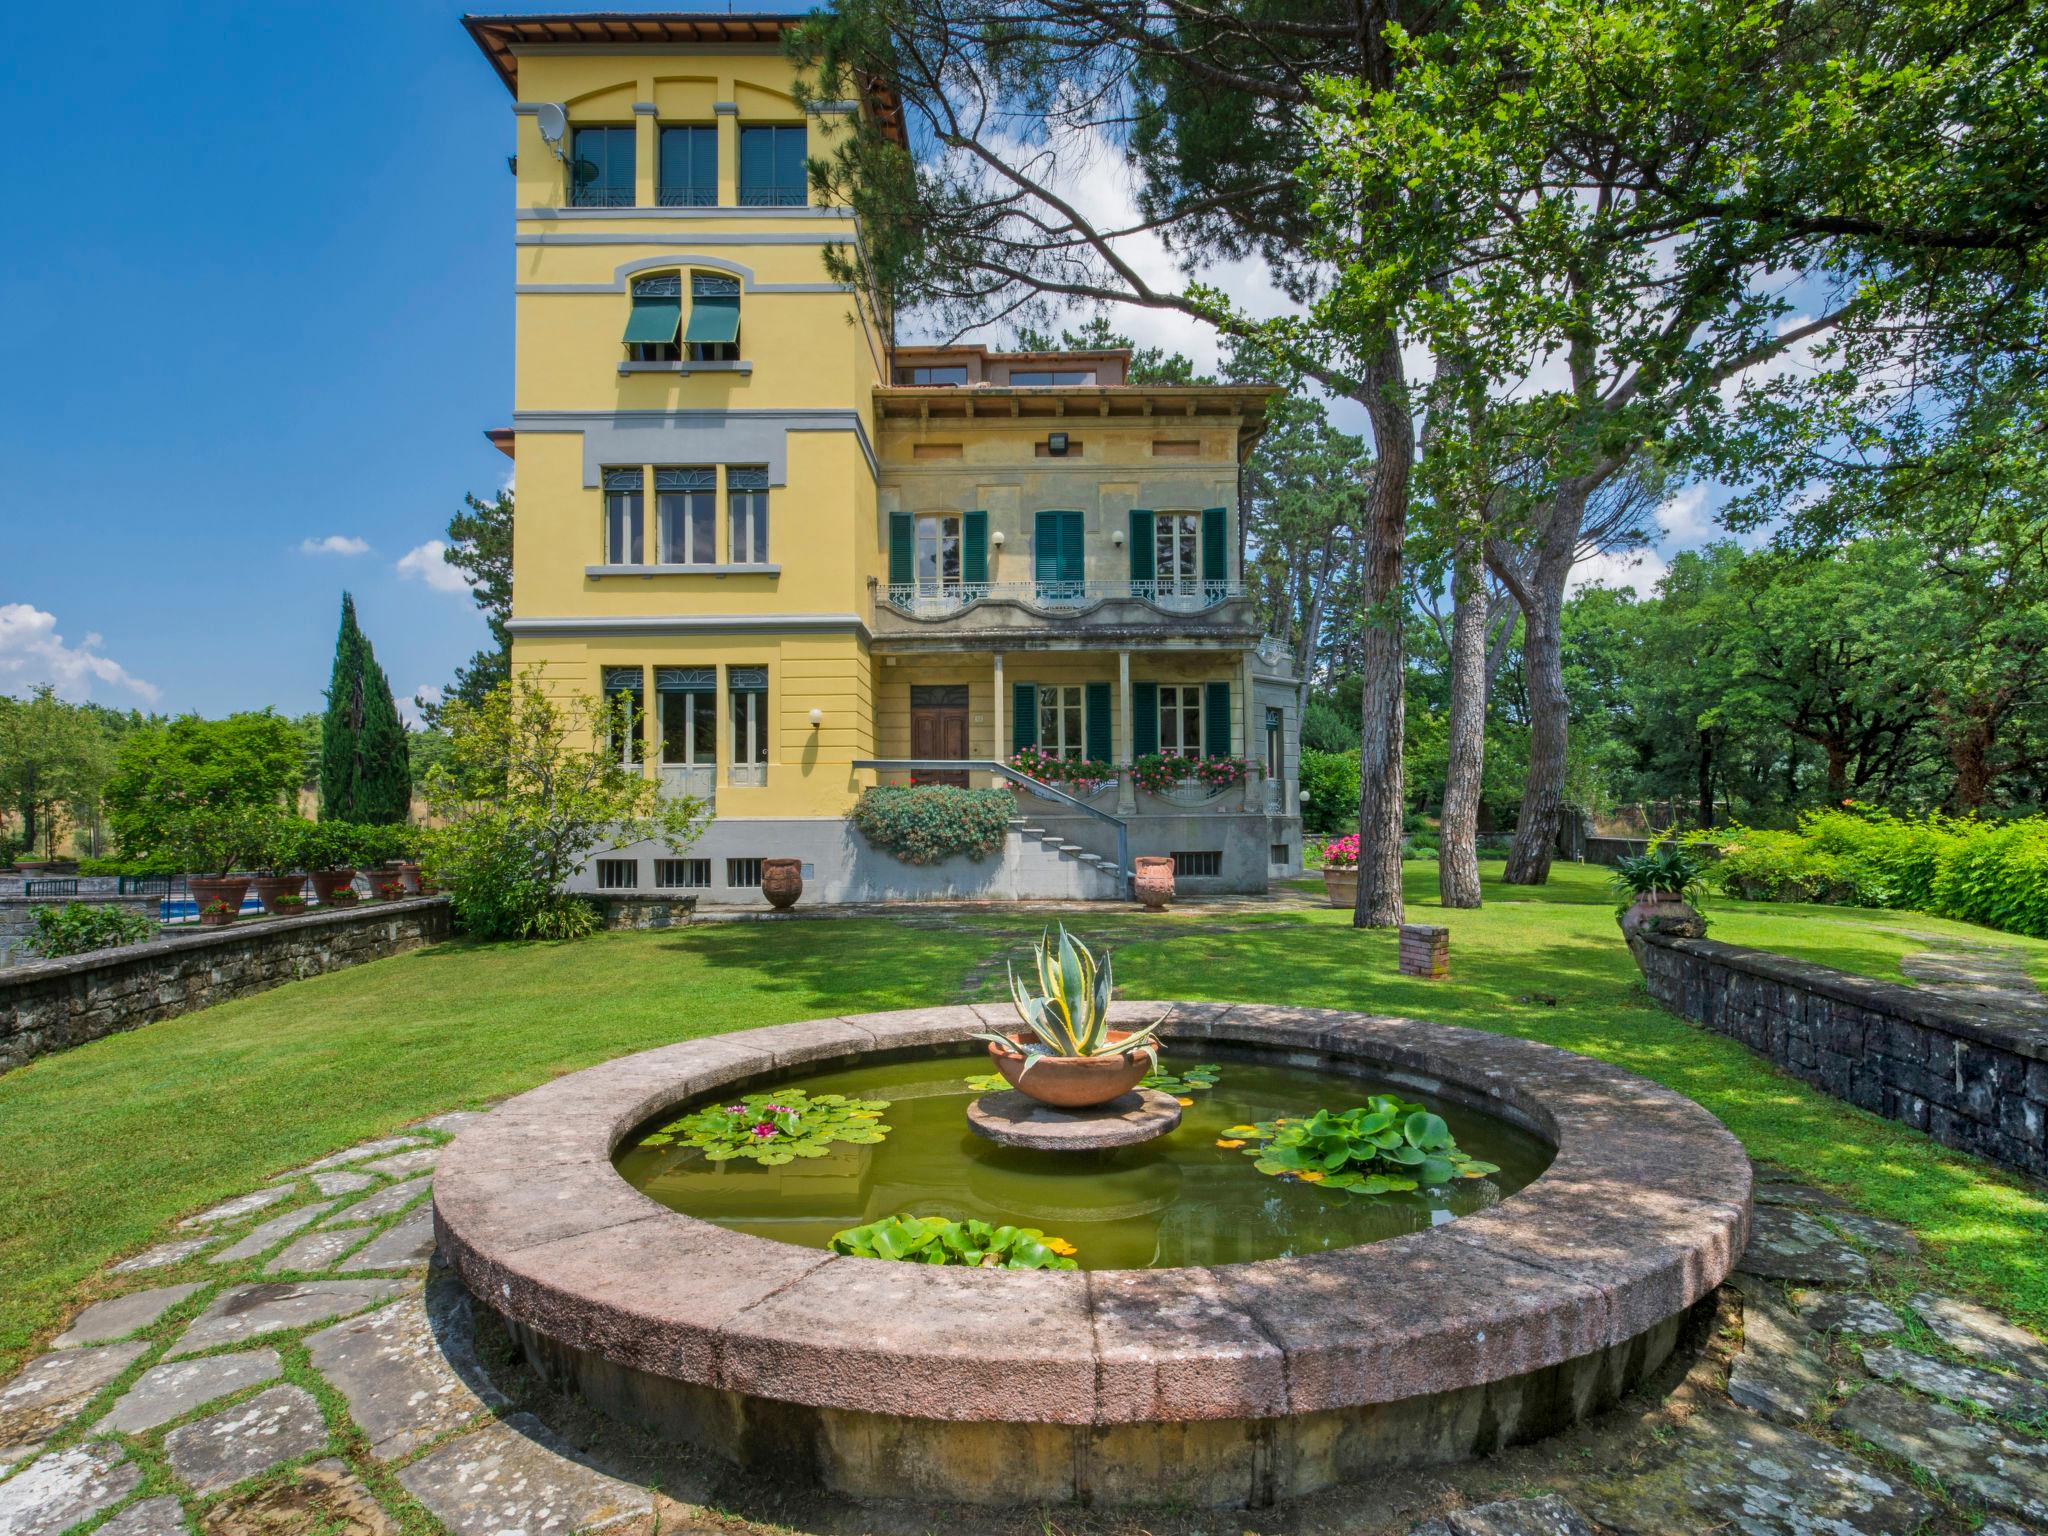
654,319
1216,719
1073,555
1144,719
714,317
1142,545
974,553
1045,547
1023,716
902,550
1215,544
1098,722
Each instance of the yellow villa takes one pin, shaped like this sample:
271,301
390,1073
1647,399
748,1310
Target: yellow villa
814,559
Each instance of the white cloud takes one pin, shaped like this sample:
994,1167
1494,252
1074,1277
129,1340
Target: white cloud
31,652
334,544
409,709
424,563
1637,569
1685,519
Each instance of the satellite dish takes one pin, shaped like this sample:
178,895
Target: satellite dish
585,172
553,122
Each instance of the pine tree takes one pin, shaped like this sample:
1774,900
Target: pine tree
365,770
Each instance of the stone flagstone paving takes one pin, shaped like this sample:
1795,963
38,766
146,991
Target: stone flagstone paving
299,1367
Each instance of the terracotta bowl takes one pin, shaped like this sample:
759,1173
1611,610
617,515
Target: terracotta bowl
1074,1082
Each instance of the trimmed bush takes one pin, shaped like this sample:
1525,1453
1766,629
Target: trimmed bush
77,928
924,823
1998,876
1977,872
1330,780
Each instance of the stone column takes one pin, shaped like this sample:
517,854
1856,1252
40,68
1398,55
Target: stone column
1253,754
996,713
1126,785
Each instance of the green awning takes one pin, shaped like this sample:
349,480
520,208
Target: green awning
714,317
655,319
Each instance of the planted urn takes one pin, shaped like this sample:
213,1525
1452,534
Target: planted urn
1067,1055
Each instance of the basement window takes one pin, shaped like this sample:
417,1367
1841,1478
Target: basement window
618,874
741,873
682,874
1208,862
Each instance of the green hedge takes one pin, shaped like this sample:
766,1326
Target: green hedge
924,823
1330,780
1978,872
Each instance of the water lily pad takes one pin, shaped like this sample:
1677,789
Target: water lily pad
776,1127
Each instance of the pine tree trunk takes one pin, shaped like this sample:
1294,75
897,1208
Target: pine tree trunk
1457,871
1549,716
1383,671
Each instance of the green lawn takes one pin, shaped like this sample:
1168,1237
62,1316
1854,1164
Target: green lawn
107,1144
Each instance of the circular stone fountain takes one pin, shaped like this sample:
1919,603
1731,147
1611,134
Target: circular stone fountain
1223,1383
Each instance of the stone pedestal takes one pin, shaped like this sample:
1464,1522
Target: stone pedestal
1011,1119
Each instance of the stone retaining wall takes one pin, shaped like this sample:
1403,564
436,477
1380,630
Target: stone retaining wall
53,1004
1973,1078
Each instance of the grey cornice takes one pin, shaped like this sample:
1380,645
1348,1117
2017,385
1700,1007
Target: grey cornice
553,215
624,273
694,437
645,109
726,108
644,571
685,368
672,243
833,108
689,624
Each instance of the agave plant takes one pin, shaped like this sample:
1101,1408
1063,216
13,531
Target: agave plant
1070,1015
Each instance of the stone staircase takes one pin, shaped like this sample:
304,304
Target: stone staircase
1096,877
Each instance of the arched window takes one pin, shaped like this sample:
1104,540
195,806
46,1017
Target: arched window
657,317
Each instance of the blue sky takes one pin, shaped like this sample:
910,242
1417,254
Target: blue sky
256,316
257,291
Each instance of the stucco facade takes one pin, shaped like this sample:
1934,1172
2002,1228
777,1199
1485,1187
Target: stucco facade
811,553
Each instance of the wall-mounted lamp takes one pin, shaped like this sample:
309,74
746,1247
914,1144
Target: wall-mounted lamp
817,718
1303,796
1116,537
996,538
1056,444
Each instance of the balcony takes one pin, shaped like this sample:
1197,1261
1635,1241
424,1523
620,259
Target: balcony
940,601
1061,613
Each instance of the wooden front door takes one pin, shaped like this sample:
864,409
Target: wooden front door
938,729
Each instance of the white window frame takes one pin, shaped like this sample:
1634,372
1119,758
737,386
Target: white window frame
747,519
618,874
1177,552
941,527
1061,705
699,536
625,520
693,705
749,730
1182,704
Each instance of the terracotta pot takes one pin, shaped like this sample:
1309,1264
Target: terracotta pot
270,887
1664,912
1073,1082
782,881
215,919
1153,880
230,889
406,874
343,898
327,881
1340,887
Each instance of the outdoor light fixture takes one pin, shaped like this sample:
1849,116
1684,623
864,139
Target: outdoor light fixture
817,718
1116,537
996,538
1056,444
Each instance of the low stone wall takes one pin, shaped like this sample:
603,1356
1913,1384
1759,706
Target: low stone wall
50,1005
1973,1078
1611,850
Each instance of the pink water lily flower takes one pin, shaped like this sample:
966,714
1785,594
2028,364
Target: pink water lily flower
765,1131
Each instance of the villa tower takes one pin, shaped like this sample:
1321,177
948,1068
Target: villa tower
802,551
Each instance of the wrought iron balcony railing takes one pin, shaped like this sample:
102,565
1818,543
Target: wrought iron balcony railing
775,195
927,600
596,195
697,196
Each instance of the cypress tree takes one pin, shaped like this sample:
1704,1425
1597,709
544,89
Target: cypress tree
365,764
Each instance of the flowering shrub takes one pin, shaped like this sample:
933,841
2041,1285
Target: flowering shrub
924,823
77,928
290,903
1084,773
1156,773
1222,772
391,890
1341,852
